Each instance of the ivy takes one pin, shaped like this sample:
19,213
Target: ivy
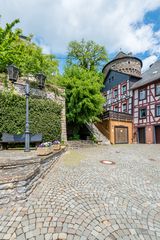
44,116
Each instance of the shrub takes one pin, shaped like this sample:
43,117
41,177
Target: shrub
44,116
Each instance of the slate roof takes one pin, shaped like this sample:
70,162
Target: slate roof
122,55
151,75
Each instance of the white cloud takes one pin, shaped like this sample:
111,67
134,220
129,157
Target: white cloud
115,24
148,61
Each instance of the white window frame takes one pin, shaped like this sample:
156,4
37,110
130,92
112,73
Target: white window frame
123,88
116,107
142,94
157,110
140,115
115,90
124,110
158,87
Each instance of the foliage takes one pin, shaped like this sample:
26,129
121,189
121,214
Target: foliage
26,55
84,101
44,116
86,54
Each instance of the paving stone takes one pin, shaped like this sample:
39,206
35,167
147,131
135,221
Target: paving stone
81,198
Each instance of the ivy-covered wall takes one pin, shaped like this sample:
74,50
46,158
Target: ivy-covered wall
44,116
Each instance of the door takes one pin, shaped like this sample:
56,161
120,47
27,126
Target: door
157,134
121,135
142,135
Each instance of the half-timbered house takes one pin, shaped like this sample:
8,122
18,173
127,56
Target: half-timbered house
120,75
146,106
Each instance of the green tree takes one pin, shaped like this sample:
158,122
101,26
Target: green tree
83,99
25,54
86,54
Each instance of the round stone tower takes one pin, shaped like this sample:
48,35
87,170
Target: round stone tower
124,63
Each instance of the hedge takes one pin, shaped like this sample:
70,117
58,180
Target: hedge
44,116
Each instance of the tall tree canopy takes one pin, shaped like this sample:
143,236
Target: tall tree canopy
83,82
83,99
22,52
86,54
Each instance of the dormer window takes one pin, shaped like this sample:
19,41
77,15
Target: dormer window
142,94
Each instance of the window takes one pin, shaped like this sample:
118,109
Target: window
112,78
109,80
142,113
142,94
116,108
115,93
124,107
157,110
158,89
124,89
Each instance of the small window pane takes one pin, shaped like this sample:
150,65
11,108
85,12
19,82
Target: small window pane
158,110
115,93
124,107
143,113
157,89
124,89
142,94
116,108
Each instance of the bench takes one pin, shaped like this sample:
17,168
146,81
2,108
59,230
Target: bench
18,138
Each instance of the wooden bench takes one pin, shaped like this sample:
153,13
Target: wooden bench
18,138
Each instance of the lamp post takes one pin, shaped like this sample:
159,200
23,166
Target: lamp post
13,73
27,132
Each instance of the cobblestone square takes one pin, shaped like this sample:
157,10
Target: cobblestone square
80,198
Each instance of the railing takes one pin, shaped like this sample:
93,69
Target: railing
117,116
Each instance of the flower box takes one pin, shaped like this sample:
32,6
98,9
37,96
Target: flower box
43,151
56,147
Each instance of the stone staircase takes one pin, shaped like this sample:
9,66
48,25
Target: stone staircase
100,138
75,144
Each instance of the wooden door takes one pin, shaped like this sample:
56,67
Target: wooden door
142,135
157,133
121,135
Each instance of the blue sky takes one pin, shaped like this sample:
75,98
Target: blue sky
132,26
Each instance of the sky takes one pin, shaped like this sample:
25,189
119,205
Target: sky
126,25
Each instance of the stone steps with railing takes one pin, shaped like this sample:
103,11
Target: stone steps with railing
100,138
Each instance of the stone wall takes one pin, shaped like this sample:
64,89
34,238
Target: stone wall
19,176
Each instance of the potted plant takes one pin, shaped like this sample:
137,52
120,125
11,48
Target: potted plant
56,145
44,149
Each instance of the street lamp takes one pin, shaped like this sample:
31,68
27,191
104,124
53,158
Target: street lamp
41,80
13,72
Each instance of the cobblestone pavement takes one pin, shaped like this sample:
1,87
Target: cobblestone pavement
81,198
